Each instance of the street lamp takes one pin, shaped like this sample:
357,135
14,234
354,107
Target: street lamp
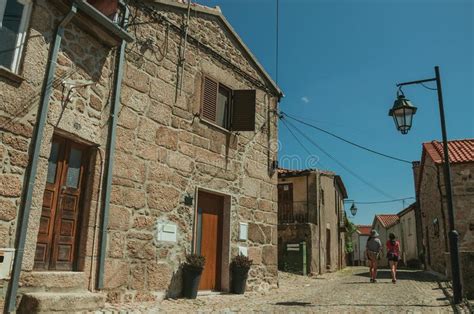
353,209
402,113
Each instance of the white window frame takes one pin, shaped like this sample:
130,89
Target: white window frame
20,40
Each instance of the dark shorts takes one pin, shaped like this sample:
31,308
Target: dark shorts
392,258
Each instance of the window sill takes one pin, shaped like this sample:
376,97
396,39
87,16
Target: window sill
4,72
222,129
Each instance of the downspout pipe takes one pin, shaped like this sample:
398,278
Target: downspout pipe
32,170
114,112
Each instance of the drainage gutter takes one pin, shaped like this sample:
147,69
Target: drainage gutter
31,174
114,111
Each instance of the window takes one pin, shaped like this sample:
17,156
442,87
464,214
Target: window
233,110
14,17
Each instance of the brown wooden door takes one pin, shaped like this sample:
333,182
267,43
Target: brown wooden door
285,203
59,223
210,208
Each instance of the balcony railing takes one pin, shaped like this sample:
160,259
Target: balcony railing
293,212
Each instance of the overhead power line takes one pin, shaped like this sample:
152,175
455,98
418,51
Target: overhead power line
384,202
299,141
345,140
361,179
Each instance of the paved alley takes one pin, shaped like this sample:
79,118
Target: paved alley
345,291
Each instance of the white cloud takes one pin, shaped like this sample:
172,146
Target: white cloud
305,99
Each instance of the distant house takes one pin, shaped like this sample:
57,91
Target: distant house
431,196
359,241
408,235
386,224
310,210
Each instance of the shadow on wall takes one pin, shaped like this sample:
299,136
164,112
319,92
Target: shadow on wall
175,287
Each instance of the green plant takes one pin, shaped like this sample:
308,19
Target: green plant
351,228
194,261
241,262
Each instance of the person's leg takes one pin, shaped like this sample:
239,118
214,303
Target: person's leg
395,265
375,269
392,269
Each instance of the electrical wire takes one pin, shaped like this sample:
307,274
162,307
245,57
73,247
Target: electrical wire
383,202
427,87
299,141
277,38
340,163
346,141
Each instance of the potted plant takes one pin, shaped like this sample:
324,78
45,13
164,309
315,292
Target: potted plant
240,269
192,270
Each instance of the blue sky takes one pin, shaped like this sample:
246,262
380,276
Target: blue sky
339,61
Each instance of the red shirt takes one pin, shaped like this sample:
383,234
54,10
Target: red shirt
395,248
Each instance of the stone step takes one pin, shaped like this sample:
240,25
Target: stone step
60,281
65,302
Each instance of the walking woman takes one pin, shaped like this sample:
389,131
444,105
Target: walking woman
393,255
373,249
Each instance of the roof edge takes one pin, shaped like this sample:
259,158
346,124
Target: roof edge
218,13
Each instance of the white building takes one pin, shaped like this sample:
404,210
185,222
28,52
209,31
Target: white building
359,240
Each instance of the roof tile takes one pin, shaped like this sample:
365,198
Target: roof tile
388,220
460,151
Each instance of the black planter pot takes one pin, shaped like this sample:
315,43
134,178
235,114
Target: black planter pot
191,278
239,280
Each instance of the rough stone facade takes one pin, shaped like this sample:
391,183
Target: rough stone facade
320,195
433,206
164,151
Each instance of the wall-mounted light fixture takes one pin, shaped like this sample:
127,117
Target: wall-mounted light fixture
188,200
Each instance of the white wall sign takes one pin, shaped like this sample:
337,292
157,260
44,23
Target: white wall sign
166,231
243,231
6,262
243,250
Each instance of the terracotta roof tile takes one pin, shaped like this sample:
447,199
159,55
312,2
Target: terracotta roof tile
388,220
364,229
459,151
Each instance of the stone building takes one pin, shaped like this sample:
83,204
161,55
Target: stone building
359,242
131,134
311,209
408,236
386,224
431,197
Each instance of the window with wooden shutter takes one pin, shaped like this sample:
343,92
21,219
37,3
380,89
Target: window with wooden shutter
209,100
243,110
230,109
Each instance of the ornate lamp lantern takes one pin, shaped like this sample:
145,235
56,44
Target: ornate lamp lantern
402,113
353,209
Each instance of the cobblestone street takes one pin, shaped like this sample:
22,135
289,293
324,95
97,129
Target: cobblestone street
345,291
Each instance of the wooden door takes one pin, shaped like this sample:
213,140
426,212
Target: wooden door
59,223
210,210
285,203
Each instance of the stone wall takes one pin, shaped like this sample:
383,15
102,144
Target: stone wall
297,233
433,205
165,152
82,117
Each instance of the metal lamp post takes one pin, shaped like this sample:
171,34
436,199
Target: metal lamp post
402,113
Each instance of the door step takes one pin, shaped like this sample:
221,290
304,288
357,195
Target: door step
65,302
53,281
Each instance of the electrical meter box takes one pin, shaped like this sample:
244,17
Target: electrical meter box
6,262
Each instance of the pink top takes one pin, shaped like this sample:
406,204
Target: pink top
395,248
